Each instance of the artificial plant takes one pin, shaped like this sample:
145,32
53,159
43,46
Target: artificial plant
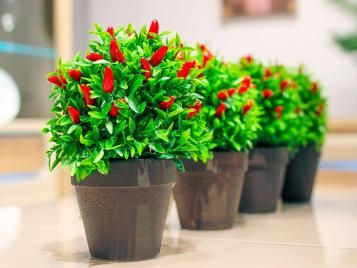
229,105
129,97
280,104
313,108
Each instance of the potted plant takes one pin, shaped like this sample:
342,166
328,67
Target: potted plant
207,195
279,102
301,170
120,114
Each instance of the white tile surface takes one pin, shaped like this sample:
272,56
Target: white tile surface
323,234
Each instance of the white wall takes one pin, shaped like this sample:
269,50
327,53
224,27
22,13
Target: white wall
306,37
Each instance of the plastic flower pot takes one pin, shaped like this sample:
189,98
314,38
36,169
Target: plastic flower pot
207,195
264,180
124,212
300,175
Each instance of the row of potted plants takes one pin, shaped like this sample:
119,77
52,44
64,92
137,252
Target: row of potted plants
142,113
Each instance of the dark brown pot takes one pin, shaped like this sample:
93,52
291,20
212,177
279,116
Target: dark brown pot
124,212
207,195
300,175
264,180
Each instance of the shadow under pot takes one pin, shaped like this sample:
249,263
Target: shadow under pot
264,180
124,212
300,175
207,195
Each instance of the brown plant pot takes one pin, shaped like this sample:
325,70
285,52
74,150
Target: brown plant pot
124,212
264,180
300,175
207,195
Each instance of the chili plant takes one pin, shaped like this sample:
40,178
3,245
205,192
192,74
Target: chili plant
229,102
280,102
127,98
313,108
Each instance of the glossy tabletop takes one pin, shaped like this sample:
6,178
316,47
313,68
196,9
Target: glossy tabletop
323,234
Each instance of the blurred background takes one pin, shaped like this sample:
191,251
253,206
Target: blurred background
320,34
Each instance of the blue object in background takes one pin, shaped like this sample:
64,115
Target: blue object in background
27,50
15,177
340,165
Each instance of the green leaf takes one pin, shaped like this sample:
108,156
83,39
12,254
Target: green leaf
97,27
175,112
102,167
157,147
138,147
97,115
132,104
162,134
109,126
99,156
72,129
131,125
179,164
138,80
123,84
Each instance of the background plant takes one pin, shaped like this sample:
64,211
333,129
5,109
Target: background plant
313,108
280,103
229,103
125,99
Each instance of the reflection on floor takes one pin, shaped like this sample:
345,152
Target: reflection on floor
320,234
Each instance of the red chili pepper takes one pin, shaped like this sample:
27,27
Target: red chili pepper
73,114
86,95
268,93
223,94
185,69
110,30
243,88
115,52
75,74
297,110
203,47
59,81
249,58
164,105
279,110
108,80
154,28
145,65
207,56
113,110
94,56
284,84
196,109
314,87
247,81
221,109
247,106
159,55
267,73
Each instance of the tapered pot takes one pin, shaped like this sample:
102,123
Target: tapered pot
300,175
207,195
124,212
264,180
